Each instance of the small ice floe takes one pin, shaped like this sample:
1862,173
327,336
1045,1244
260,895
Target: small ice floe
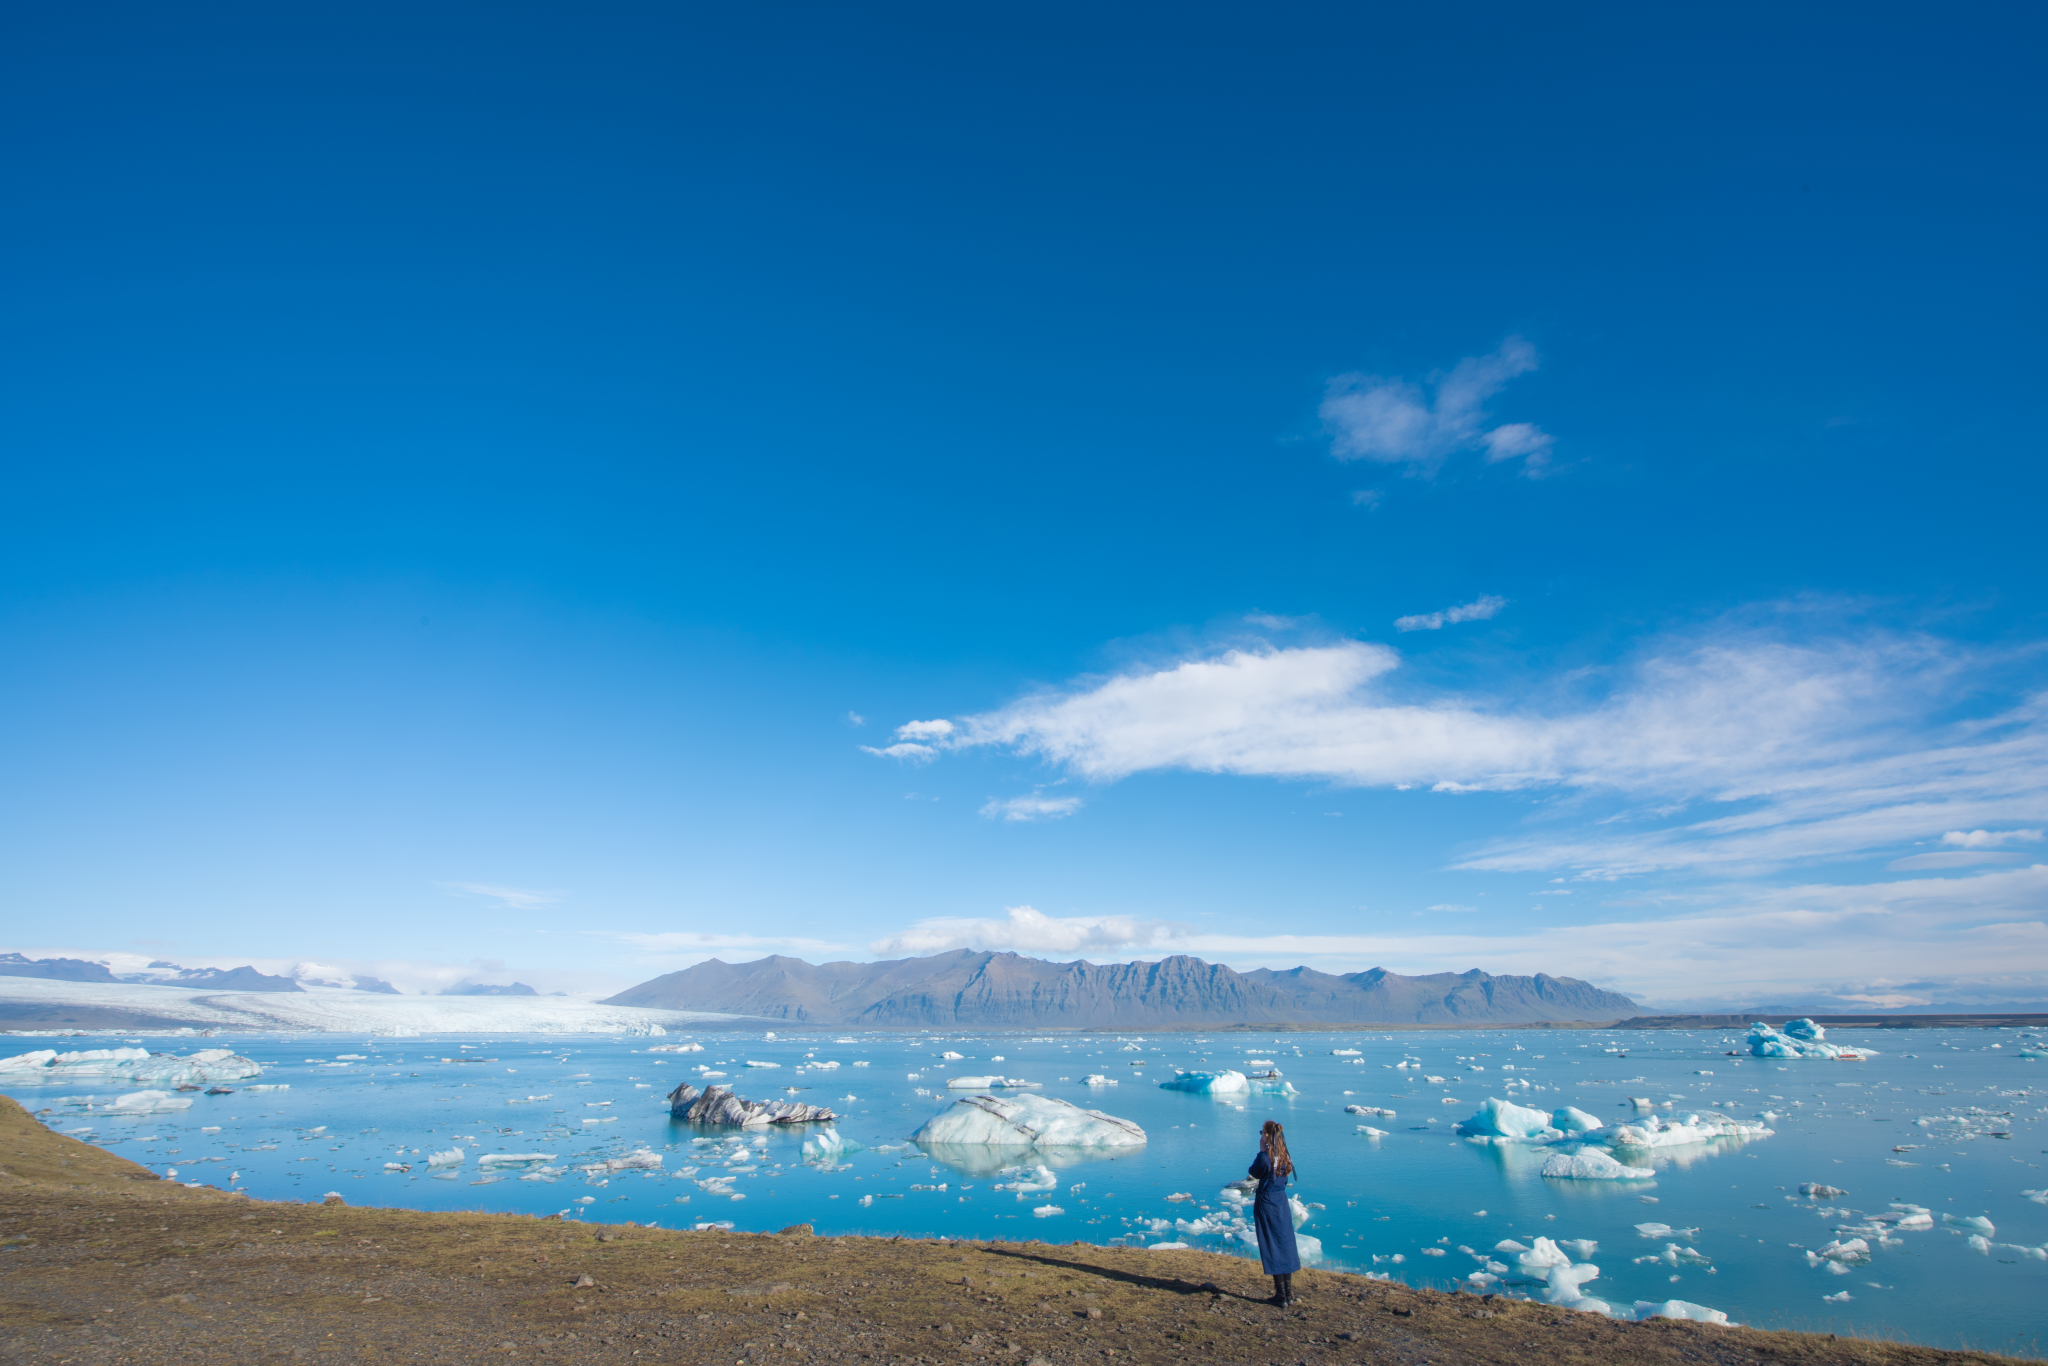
1839,1255
1800,1039
950,1056
146,1103
1027,1179
2039,1197
1380,1111
1027,1121
1821,1192
990,1084
1371,1132
1663,1231
511,1159
641,1159
1592,1165
1975,1223
1168,1247
677,1048
1839,1297
764,1064
1097,1079
1178,1196
451,1158
1678,1309
388,1166
1225,1082
829,1145
718,1105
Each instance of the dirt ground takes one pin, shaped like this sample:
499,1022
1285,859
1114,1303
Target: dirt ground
101,1262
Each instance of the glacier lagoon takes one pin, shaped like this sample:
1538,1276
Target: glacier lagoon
1929,1224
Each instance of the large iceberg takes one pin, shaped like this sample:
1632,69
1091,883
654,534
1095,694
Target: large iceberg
1506,1122
718,1105
1026,1121
1654,1132
1800,1038
204,1068
1225,1082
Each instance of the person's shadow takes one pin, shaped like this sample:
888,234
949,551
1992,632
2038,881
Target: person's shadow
1173,1285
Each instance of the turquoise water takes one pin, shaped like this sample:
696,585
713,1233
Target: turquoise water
1401,1206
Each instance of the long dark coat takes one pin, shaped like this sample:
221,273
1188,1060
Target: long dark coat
1274,1220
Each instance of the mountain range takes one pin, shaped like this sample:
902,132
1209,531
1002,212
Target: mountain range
1007,990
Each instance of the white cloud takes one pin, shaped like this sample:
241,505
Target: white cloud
1990,839
516,898
1031,808
1395,422
1451,908
924,730
1481,609
696,945
917,754
1743,749
1981,937
1367,498
854,718
1025,929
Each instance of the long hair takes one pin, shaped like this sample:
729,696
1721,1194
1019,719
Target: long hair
1273,1143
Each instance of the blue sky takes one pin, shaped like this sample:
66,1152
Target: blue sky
487,487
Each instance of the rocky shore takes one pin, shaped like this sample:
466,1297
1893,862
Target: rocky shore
101,1264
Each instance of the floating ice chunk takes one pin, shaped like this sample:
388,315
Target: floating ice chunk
1653,1132
1979,1243
1299,1211
718,1105
1369,1110
828,1145
764,1064
451,1158
1799,1039
1168,1247
1038,1178
1853,1252
641,1159
1839,1297
1343,1052
1210,1083
1821,1192
1497,1118
147,1103
1027,1121
1371,1132
1572,1120
1977,1223
1561,1284
990,1084
2039,1197
1592,1165
1581,1248
951,1056
1679,1309
1097,1079
510,1159
1309,1248
677,1048
1538,1260
1912,1218
1046,1211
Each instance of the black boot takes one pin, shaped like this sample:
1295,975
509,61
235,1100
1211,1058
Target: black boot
1279,1300
1286,1291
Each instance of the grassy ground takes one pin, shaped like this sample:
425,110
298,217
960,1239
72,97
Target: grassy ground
101,1262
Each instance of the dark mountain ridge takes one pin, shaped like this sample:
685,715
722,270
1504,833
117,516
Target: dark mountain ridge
1007,990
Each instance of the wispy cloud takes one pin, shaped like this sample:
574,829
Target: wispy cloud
517,898
1396,422
1989,839
1978,937
1744,746
1481,609
696,945
913,753
1031,808
1025,929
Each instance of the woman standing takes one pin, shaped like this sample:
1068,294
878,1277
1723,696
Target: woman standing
1270,1213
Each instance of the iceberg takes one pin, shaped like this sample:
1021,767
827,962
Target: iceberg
509,1159
1538,1260
828,1145
989,1084
1497,1118
1573,1120
677,1048
1975,1223
207,1067
1173,1247
1096,1079
1047,1211
1799,1039
1028,1179
1224,1082
1368,1110
718,1105
1592,1165
1679,1309
451,1158
147,1103
1655,1132
1027,1121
